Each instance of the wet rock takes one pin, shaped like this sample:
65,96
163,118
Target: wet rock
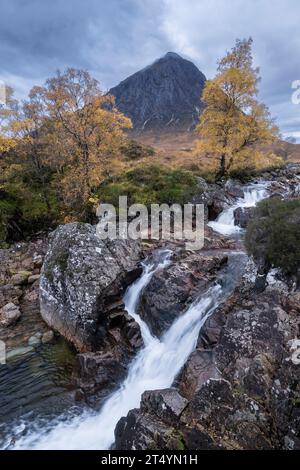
243,215
143,431
34,340
166,404
199,368
234,188
9,315
170,291
80,276
98,374
48,337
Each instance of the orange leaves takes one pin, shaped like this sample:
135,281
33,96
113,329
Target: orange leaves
234,122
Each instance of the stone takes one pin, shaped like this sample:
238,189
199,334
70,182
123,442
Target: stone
234,188
33,278
20,278
81,275
48,337
9,314
34,340
167,404
243,215
199,368
171,291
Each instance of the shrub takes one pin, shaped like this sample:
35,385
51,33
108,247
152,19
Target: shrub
134,150
24,211
152,184
273,236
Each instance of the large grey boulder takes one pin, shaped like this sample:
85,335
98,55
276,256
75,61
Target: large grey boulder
80,277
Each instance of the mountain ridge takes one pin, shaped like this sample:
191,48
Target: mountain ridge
165,95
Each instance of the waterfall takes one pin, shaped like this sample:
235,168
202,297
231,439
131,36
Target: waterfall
154,367
224,224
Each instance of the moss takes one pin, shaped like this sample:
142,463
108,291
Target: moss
175,440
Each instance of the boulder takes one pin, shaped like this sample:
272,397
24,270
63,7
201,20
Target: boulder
20,278
48,337
234,188
166,404
170,291
243,215
9,314
199,368
81,276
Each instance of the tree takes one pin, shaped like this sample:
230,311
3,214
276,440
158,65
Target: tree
7,113
71,127
234,123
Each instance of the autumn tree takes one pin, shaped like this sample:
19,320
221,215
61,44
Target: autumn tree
234,124
8,112
73,128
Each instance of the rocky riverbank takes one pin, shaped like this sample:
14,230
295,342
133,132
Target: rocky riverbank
238,390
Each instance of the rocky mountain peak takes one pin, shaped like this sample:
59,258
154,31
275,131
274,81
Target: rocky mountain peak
163,96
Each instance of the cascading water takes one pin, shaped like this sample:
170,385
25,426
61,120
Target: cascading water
155,367
224,224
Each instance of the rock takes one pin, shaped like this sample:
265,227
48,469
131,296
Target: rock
9,314
81,275
48,337
27,264
234,188
34,340
37,261
243,215
217,200
243,392
98,374
154,427
167,404
171,291
20,278
10,293
33,278
228,419
141,431
199,368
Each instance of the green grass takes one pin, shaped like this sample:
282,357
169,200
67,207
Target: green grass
150,185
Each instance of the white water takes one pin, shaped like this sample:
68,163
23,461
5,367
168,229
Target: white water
224,224
155,367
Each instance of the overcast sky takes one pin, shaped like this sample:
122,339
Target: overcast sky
114,38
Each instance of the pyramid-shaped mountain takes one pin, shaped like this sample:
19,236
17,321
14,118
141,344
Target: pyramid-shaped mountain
163,96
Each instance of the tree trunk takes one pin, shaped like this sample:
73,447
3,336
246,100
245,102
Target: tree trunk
222,169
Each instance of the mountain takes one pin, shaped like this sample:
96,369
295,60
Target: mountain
163,96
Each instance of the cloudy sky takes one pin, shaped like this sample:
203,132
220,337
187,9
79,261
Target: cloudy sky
115,38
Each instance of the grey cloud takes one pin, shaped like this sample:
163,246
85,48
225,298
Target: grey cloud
114,38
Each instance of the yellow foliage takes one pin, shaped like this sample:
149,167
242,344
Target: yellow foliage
233,122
